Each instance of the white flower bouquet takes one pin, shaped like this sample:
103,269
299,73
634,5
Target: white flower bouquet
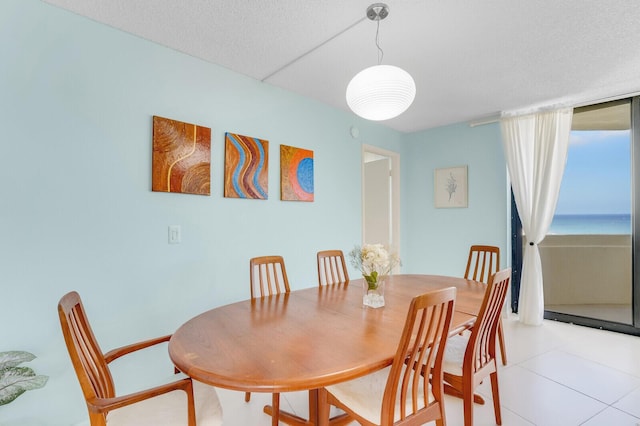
374,261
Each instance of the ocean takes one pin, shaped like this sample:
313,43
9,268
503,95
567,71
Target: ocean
576,224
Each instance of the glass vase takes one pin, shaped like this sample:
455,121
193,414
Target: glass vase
373,297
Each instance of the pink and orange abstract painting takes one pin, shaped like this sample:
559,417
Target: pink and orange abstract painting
296,174
246,167
181,157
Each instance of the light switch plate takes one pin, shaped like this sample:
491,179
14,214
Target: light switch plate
175,236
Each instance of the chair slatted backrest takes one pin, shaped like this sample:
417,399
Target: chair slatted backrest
268,276
332,268
483,262
481,348
417,364
87,358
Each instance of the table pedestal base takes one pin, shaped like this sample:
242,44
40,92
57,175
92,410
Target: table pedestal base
450,390
293,420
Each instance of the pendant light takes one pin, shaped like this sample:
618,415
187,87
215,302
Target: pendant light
380,92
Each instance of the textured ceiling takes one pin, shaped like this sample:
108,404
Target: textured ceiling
470,59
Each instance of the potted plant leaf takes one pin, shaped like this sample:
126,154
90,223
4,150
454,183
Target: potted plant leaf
16,380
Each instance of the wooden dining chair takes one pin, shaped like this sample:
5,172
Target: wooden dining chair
268,277
471,357
332,268
483,262
178,402
399,394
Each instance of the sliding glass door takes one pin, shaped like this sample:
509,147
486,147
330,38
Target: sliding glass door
588,255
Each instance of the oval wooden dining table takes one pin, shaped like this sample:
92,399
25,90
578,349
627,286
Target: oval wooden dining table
309,338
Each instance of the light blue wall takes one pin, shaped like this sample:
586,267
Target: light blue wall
439,239
76,106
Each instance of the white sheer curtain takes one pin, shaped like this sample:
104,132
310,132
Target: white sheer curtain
535,147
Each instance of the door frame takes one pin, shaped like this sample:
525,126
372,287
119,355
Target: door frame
395,192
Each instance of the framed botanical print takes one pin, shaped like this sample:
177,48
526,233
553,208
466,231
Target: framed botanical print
450,187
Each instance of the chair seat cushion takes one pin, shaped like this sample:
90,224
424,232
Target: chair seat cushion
364,396
171,409
454,354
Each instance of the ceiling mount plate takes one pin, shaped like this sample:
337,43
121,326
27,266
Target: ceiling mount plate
377,11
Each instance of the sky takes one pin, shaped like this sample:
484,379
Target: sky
597,176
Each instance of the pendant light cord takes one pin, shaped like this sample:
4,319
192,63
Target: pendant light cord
380,51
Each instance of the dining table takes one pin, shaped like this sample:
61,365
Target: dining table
308,339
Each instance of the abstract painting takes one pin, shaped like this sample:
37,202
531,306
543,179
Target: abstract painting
296,174
181,157
246,167
451,187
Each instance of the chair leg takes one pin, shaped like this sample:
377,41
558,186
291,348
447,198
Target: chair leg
496,397
467,402
503,346
442,421
247,396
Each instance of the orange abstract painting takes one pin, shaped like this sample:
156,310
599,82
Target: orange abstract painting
181,157
246,167
296,174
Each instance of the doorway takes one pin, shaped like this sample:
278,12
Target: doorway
381,197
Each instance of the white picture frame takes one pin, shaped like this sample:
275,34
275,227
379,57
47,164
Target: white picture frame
450,187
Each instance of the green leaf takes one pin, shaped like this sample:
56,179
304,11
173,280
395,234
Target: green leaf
14,381
372,280
14,358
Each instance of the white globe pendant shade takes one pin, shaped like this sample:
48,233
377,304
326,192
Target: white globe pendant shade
381,92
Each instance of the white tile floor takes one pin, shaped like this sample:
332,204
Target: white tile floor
558,374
